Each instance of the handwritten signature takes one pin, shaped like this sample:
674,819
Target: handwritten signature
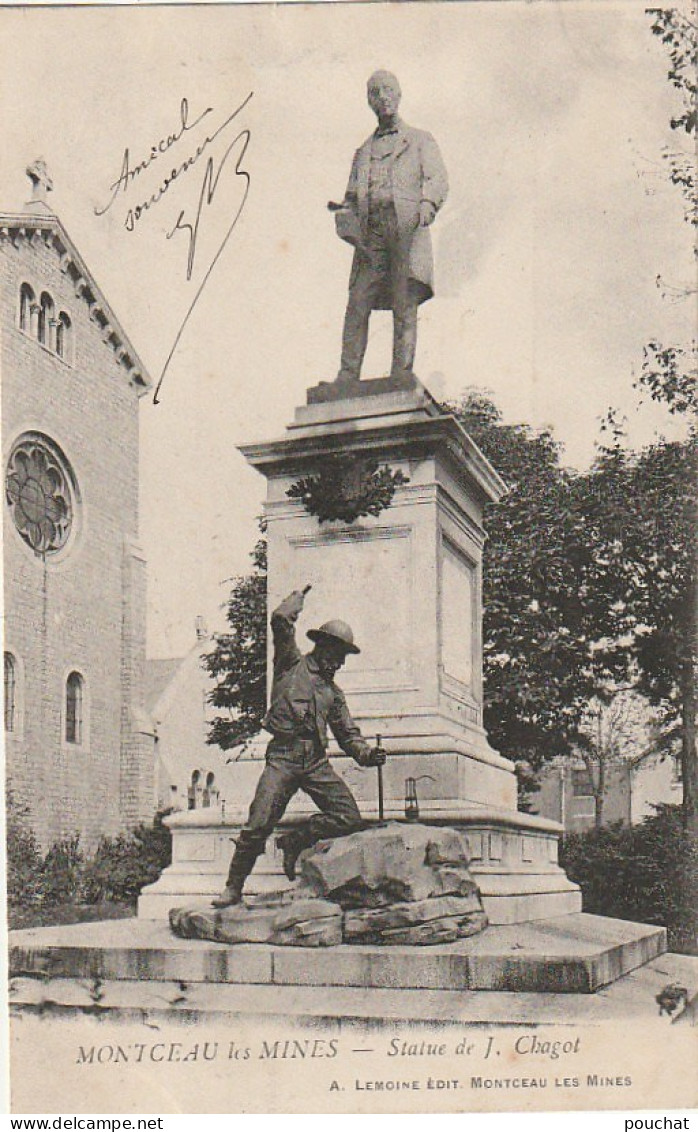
209,184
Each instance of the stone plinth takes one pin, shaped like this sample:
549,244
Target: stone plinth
350,390
575,954
513,860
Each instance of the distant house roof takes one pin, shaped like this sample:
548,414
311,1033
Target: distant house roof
158,674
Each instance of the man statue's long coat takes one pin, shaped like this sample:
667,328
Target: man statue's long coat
418,174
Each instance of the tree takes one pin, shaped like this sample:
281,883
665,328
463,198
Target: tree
589,582
661,481
670,375
666,642
545,604
642,516
679,34
23,858
613,733
649,498
238,661
669,372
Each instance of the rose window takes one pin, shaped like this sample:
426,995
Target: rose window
39,493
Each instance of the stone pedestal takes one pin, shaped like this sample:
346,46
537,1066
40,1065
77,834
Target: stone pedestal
513,861
409,582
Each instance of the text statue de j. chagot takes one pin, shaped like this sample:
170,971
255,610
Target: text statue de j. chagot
397,185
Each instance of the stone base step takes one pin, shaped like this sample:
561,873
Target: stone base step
575,954
632,997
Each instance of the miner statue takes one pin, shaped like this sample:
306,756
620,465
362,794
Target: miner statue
396,187
305,702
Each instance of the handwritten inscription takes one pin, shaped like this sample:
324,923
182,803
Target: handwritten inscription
209,185
129,174
208,189
189,221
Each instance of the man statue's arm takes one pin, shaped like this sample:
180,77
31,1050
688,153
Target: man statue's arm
434,180
347,213
351,196
348,734
283,627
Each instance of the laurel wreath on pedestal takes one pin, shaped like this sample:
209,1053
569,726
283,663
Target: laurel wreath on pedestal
346,489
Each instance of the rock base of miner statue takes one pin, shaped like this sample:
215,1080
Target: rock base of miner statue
300,923
393,884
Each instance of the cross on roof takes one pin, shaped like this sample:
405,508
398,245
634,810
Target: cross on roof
41,180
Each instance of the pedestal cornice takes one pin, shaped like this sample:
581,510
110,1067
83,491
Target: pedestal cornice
391,432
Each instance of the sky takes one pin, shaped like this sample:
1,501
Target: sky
551,118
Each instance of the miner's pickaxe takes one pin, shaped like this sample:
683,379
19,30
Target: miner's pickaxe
379,768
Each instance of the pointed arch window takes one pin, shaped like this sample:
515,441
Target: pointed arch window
27,299
210,794
75,709
63,336
46,314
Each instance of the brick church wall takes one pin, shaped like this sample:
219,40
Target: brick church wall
83,608
137,788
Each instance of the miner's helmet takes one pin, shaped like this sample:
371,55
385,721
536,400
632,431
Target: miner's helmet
336,633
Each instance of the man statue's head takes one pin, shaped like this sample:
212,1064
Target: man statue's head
333,641
383,95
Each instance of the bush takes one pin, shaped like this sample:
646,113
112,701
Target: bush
116,872
61,872
24,861
123,865
647,873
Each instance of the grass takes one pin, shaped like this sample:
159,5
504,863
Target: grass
67,914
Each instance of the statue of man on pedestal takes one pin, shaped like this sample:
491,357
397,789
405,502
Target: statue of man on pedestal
397,185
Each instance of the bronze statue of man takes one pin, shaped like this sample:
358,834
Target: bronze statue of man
305,702
397,185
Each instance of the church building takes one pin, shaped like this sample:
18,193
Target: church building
79,748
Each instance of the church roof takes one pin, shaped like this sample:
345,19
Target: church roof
158,674
44,225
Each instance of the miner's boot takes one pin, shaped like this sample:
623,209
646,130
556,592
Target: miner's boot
231,894
241,866
291,845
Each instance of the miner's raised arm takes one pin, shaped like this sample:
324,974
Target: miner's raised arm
283,627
